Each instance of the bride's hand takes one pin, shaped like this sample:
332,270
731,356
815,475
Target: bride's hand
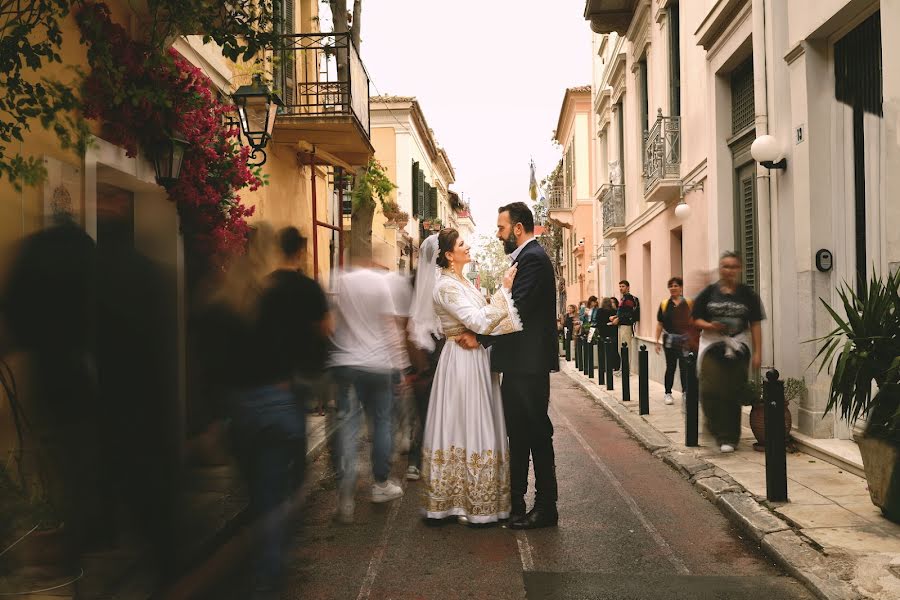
509,277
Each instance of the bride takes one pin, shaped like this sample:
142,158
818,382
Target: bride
465,452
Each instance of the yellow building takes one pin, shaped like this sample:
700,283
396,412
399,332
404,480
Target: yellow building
321,130
406,147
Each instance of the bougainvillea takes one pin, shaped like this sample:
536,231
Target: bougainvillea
142,97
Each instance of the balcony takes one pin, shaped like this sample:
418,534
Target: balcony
612,199
662,159
559,205
607,16
325,89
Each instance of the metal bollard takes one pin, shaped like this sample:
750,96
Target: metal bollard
601,361
643,381
590,360
776,458
578,353
585,361
567,341
691,402
626,374
609,348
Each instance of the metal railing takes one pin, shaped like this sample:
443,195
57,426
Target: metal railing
613,203
662,150
560,198
321,75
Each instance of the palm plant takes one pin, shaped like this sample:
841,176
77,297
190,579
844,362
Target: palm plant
863,348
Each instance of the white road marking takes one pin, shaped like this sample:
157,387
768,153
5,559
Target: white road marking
525,551
378,555
629,501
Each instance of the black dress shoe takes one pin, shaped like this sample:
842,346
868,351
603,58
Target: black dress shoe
537,518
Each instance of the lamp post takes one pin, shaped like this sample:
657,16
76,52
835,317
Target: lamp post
257,107
767,151
683,209
167,159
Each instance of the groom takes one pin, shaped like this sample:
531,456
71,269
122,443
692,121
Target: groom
526,359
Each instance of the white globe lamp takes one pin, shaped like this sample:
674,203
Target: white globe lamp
682,211
602,260
767,151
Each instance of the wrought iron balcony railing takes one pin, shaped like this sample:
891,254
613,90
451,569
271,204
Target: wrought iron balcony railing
321,75
613,204
662,150
560,198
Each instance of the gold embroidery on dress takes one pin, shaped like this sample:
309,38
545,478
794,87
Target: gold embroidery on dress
478,482
501,316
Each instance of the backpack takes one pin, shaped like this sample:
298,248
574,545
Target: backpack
637,309
665,303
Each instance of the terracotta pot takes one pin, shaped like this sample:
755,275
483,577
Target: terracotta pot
758,424
48,550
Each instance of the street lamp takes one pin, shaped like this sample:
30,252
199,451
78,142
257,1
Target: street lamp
167,159
683,209
257,107
768,152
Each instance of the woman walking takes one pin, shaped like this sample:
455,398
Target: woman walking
673,322
605,329
729,313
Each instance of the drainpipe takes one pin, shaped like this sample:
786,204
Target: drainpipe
763,177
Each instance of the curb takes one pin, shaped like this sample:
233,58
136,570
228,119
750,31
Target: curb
824,575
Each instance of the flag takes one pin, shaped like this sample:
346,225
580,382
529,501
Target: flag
532,184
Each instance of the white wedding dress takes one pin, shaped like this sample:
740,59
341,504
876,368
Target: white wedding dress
465,452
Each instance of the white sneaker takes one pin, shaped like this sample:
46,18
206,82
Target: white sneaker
385,492
669,399
413,474
345,510
725,448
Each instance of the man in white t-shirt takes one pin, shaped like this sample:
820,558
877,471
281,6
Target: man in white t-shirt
366,349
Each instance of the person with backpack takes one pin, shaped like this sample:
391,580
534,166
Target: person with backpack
628,314
673,322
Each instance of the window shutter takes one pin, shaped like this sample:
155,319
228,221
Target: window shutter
674,61
284,74
420,194
743,112
746,222
415,190
433,202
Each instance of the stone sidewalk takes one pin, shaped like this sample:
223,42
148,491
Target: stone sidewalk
829,535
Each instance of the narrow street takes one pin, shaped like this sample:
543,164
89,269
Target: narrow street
630,527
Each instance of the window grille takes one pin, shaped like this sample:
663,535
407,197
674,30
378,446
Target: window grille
742,109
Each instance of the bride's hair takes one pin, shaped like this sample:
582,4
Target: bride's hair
446,243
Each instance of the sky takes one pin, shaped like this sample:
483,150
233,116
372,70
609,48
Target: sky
490,77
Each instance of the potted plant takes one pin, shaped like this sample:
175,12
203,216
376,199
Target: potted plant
436,224
864,348
793,388
390,209
31,531
426,224
402,219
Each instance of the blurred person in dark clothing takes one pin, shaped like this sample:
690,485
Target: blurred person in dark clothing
287,345
605,329
47,311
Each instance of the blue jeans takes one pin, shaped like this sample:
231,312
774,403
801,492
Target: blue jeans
269,429
373,391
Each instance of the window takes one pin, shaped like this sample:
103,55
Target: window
644,98
620,111
742,109
674,60
285,70
858,83
570,170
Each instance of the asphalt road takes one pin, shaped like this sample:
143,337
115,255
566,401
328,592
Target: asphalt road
630,527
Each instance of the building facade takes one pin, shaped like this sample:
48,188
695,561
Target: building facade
811,75
407,149
571,202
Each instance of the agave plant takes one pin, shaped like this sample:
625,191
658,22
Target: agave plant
864,347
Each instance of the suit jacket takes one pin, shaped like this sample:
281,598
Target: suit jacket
535,348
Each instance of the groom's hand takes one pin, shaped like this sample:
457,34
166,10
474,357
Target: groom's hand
467,340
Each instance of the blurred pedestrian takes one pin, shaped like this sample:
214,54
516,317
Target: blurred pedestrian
673,322
365,345
569,323
729,314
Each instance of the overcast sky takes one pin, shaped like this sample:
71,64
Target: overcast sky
490,77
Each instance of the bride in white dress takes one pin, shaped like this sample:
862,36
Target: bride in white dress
465,451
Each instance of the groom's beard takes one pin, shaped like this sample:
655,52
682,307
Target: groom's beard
511,243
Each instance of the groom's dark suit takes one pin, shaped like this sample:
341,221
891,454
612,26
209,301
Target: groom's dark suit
526,359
